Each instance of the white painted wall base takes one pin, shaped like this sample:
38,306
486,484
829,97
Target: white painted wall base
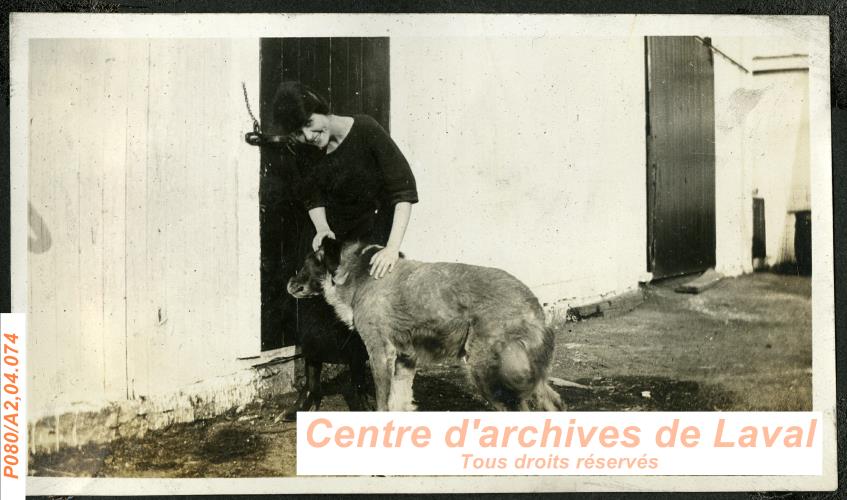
86,423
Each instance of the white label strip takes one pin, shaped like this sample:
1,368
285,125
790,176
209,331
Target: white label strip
13,430
566,443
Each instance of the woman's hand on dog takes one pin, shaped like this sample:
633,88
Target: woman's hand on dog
319,238
383,262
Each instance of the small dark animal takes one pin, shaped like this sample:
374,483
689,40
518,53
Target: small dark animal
435,311
325,339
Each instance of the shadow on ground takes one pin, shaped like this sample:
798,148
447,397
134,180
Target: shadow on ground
437,392
256,443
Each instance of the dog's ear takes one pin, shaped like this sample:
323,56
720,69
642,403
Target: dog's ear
340,280
331,249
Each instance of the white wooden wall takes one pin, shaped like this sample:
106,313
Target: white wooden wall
534,148
144,240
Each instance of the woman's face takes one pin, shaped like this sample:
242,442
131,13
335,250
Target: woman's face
315,132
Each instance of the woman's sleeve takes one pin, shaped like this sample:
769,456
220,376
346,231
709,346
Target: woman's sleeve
397,174
310,193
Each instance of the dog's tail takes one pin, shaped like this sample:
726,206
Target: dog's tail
525,364
516,370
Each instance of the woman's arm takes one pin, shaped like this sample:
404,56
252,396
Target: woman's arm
318,216
383,261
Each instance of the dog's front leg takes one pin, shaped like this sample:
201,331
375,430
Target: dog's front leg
358,379
382,356
311,394
400,398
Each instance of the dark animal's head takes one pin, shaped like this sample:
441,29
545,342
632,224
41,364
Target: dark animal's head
318,266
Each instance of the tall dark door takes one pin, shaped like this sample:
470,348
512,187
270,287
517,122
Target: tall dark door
680,156
353,74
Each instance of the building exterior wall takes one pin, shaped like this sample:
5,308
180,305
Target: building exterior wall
143,269
529,156
734,102
762,145
781,173
144,250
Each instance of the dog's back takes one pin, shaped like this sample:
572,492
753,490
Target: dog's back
450,310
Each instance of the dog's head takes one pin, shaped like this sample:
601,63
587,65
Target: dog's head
318,266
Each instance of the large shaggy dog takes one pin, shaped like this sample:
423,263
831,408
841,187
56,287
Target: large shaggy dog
433,311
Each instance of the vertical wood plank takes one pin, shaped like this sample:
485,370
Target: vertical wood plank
279,175
283,52
245,179
322,64
272,66
139,316
306,60
339,74
191,242
290,58
114,113
354,77
45,145
67,194
376,92
315,64
224,194
91,192
164,180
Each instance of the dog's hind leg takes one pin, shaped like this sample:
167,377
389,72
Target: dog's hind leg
483,376
546,398
483,361
400,396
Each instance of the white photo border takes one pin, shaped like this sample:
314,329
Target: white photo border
24,27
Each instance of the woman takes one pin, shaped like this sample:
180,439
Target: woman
361,174
349,193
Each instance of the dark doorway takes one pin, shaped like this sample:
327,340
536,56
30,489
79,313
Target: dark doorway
680,156
353,74
759,241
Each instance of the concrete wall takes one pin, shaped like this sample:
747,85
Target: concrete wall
144,249
529,155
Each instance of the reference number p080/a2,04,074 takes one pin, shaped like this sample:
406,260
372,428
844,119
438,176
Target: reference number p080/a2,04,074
12,401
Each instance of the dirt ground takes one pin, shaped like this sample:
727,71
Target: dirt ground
745,344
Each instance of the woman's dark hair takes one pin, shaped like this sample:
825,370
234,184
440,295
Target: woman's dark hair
294,103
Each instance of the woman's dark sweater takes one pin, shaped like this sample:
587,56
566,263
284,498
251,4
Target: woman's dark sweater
366,173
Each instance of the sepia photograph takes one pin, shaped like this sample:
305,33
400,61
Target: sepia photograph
224,232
